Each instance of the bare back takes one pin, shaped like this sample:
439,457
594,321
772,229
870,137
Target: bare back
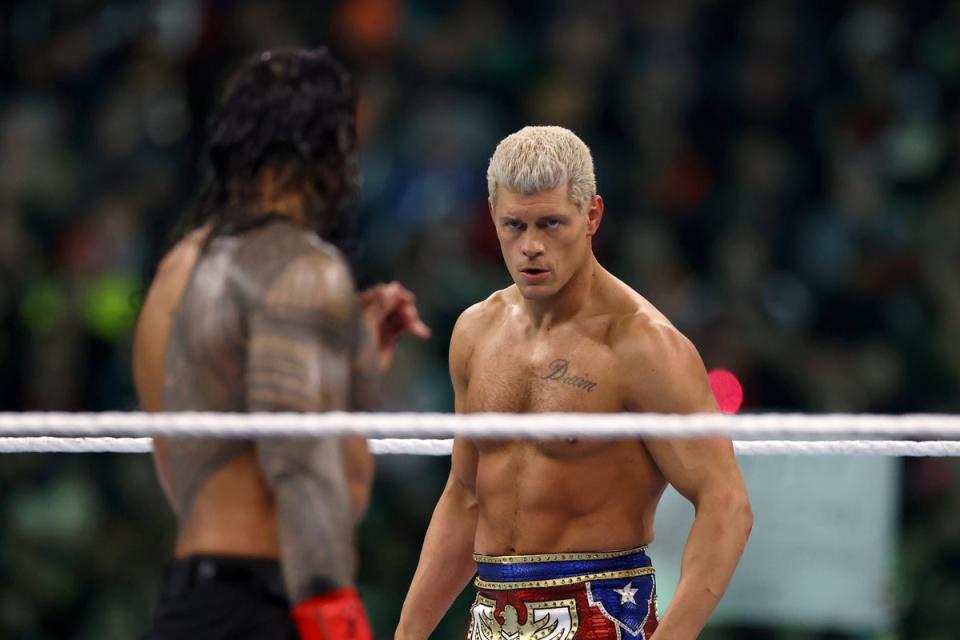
235,514
230,329
556,495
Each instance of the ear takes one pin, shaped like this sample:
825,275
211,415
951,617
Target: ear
490,206
594,215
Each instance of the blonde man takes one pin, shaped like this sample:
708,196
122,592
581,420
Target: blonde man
557,529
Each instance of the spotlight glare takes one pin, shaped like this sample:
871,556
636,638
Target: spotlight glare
727,390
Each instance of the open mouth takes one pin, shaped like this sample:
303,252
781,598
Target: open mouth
533,275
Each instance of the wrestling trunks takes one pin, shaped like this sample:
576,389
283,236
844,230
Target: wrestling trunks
207,597
565,596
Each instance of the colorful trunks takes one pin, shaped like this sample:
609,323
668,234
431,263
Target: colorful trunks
565,596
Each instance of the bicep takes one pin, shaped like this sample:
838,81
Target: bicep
460,348
673,379
458,381
693,465
464,457
292,369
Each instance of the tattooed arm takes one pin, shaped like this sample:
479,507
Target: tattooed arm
303,338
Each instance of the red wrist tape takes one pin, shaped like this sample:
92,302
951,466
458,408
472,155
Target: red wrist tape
337,615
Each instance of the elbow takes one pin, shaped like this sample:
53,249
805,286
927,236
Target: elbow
279,471
737,512
746,515
741,514
732,509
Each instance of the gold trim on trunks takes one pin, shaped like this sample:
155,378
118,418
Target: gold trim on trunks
558,557
560,582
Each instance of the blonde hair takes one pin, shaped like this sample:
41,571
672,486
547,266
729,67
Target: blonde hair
537,159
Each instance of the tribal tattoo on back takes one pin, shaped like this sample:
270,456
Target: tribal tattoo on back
270,321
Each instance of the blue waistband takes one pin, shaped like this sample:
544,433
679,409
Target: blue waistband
558,565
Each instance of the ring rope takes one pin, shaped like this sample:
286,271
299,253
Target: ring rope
475,425
932,448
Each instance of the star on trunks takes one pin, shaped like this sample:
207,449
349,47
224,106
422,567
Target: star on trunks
627,594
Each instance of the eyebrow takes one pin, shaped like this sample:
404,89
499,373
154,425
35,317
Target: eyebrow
536,217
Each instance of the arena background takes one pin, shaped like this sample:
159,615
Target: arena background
782,179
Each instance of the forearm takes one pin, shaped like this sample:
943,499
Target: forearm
445,567
314,514
713,549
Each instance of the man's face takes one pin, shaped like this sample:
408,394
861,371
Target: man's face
544,237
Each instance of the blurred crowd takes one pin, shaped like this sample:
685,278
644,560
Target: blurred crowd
782,179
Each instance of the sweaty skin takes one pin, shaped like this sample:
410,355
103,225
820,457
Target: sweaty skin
570,337
574,495
264,321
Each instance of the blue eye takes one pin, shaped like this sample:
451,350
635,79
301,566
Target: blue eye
552,223
513,224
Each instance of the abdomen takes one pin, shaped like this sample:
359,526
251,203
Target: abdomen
539,497
223,502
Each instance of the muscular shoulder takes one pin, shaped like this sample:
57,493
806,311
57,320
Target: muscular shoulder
315,278
176,265
479,316
478,320
642,332
282,266
473,325
662,369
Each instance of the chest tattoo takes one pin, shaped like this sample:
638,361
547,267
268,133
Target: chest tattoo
558,371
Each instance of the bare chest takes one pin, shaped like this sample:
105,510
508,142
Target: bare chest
546,377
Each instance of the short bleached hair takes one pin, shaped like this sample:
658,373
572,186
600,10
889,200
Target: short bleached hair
537,159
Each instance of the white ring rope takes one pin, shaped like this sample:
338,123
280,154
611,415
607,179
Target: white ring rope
47,444
475,425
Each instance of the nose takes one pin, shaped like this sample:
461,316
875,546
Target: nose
531,247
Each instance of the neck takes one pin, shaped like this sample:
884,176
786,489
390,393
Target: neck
289,205
569,301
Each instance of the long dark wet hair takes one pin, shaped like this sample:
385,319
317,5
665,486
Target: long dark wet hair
292,111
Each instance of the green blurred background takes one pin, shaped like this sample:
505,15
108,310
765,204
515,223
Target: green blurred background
782,179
